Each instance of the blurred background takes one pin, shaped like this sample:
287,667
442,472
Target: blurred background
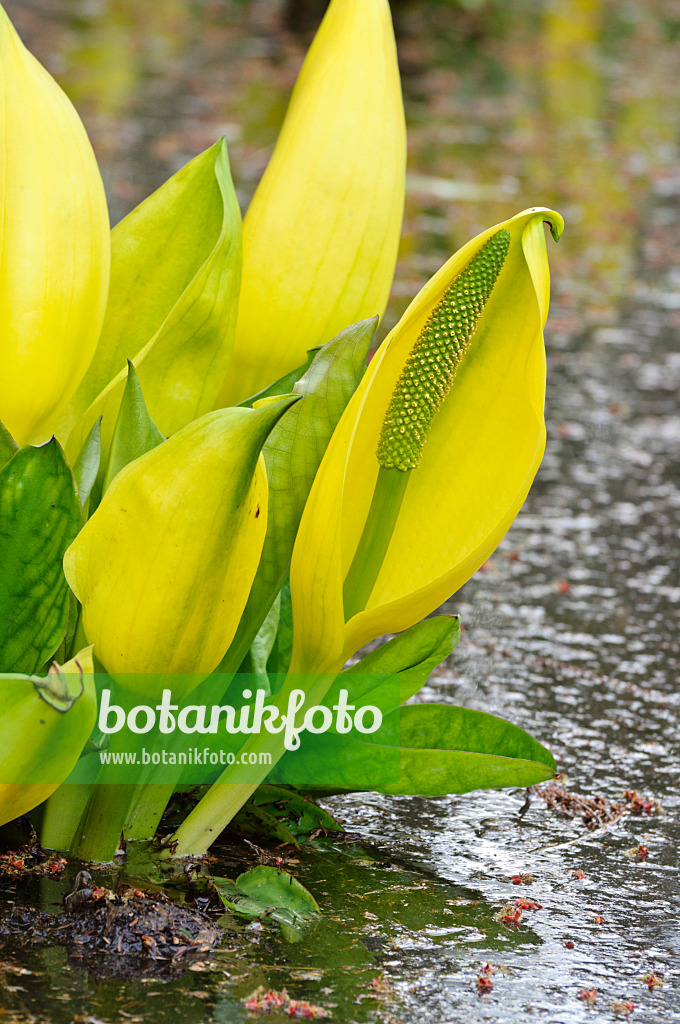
572,628
564,103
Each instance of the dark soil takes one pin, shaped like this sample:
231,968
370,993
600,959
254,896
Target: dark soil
138,927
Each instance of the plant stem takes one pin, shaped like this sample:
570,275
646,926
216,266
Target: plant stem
63,814
104,822
227,795
146,810
388,495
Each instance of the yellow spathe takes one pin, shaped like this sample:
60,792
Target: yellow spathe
164,566
478,462
54,245
321,235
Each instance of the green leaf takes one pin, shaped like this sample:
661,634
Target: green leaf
424,749
40,515
135,433
255,661
292,454
284,385
300,814
175,278
390,675
255,821
277,889
279,658
267,892
86,466
8,446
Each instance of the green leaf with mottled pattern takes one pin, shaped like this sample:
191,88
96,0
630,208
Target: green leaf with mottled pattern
40,515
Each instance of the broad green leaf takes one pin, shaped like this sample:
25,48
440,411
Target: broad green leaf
40,516
277,889
86,466
292,455
390,675
8,446
424,749
267,892
135,433
172,307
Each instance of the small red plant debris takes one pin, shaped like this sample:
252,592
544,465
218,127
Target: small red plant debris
588,995
510,915
301,1009
642,852
12,864
563,586
652,980
568,944
579,874
524,879
484,983
525,904
381,985
27,861
265,1000
623,1009
640,805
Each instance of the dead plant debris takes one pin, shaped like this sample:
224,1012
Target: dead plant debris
595,811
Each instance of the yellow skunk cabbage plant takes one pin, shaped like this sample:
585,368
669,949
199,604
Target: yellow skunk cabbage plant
208,494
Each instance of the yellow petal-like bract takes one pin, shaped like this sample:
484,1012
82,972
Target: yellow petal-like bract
481,453
54,241
164,566
320,237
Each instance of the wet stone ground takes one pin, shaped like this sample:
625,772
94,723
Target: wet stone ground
571,630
